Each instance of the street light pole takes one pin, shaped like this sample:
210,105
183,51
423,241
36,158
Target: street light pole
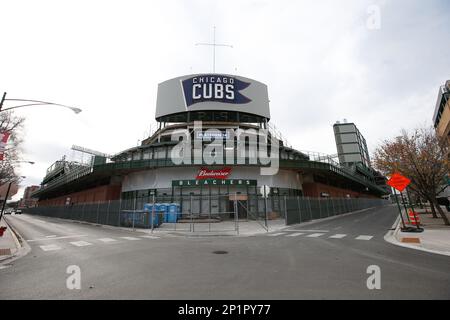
34,103
3,99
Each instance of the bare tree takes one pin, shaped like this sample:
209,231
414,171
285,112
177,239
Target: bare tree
9,123
422,156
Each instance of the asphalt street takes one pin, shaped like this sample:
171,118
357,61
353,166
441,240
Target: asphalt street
320,260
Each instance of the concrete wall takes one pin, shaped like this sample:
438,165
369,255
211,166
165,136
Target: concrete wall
162,178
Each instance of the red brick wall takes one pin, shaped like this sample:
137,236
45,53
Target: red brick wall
98,194
314,190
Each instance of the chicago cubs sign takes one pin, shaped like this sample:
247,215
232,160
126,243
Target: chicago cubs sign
213,87
212,92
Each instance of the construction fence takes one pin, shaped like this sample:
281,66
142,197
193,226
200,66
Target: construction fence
195,212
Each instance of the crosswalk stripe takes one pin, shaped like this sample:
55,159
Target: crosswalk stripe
58,238
130,238
50,247
315,235
295,234
150,237
276,234
338,236
106,240
81,243
364,238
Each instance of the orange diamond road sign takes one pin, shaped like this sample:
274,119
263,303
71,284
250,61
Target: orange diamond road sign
398,182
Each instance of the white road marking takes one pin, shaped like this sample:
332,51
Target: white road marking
81,243
50,247
52,236
315,235
130,238
338,236
295,234
150,237
57,238
106,240
275,234
364,238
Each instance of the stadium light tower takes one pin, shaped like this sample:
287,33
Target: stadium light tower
33,103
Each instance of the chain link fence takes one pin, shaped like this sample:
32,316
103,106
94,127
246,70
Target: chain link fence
299,209
200,213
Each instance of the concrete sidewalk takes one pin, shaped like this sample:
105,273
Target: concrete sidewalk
9,244
224,228
434,239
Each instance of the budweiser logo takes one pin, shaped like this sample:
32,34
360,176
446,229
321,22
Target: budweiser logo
206,173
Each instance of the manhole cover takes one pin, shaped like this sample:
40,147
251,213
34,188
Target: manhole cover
220,252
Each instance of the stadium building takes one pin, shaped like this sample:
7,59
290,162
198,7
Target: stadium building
214,143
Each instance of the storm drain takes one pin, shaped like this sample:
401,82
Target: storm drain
220,252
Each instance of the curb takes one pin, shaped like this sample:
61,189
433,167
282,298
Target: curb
22,246
391,238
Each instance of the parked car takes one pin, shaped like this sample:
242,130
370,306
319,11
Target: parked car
18,211
8,211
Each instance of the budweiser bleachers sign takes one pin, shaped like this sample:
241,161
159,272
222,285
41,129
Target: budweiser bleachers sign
206,173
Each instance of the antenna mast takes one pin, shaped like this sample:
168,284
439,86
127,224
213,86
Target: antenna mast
214,45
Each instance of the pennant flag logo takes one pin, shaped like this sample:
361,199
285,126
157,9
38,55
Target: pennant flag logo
213,87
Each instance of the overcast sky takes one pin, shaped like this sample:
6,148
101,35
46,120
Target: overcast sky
322,61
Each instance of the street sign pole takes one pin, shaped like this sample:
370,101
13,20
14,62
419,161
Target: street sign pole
400,183
406,208
153,210
399,208
264,191
412,208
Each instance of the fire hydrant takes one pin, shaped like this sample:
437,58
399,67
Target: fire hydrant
2,230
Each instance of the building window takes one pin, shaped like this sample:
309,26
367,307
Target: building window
148,154
160,153
137,155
